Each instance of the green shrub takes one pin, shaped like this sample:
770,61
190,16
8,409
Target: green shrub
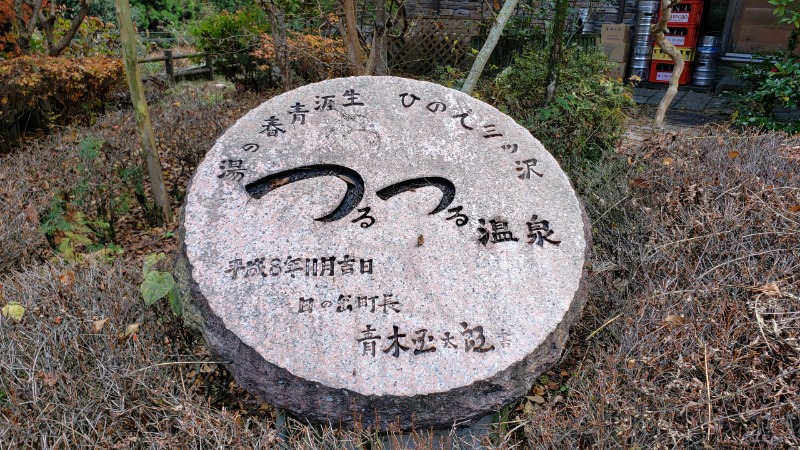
586,116
772,86
231,37
159,14
94,38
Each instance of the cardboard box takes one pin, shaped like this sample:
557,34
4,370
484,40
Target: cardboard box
617,52
615,33
618,71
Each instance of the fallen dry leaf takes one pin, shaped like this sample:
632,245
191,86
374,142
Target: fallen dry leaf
98,325
31,215
794,208
528,408
733,154
67,279
538,390
538,399
770,289
48,378
69,138
674,320
130,330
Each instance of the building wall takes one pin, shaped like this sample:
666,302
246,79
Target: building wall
752,26
601,12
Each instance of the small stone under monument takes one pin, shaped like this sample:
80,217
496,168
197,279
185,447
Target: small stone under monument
384,251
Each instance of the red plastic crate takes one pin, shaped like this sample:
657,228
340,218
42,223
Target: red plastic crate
661,72
687,12
683,36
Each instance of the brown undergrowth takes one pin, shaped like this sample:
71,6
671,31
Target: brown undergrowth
689,338
697,268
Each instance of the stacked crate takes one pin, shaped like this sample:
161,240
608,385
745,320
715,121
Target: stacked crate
615,40
682,34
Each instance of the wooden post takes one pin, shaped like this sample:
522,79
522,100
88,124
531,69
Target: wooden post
210,67
170,66
145,128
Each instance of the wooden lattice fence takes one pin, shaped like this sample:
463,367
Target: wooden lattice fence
433,42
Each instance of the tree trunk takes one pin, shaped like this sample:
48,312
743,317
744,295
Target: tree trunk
668,48
554,60
349,32
377,61
276,18
142,114
488,46
25,29
55,49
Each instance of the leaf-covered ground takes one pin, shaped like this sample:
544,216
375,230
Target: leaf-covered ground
689,338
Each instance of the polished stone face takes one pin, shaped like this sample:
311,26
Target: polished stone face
386,236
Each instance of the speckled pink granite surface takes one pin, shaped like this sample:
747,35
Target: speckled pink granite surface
465,311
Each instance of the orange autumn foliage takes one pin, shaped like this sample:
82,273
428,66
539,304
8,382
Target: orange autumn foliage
8,19
313,57
8,43
62,90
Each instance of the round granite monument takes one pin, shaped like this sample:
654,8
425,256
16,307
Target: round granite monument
384,251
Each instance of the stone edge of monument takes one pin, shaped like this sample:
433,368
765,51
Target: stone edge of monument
322,404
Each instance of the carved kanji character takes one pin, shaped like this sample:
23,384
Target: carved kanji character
368,341
422,342
306,305
298,112
272,126
528,169
539,231
352,96
474,339
395,345
325,104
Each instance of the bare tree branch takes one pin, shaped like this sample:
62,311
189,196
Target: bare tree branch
668,48
62,43
46,20
488,46
25,29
